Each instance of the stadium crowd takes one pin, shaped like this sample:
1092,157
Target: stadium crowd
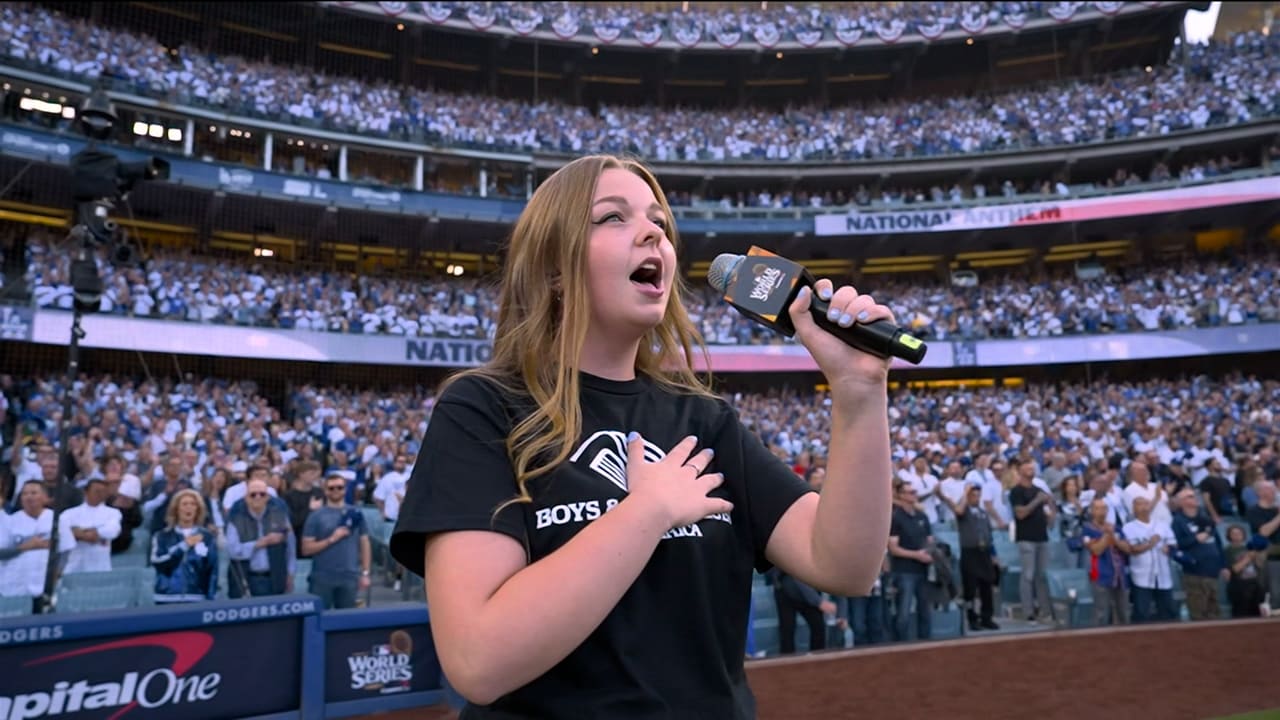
139,448
1216,84
868,17
1195,292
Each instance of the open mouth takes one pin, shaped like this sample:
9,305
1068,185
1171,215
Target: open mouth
648,275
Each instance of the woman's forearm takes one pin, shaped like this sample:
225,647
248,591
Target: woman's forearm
519,633
852,522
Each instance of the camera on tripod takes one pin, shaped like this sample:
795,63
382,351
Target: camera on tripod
98,181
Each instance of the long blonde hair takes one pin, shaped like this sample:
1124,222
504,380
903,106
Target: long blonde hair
543,312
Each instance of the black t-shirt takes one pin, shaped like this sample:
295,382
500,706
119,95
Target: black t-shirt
299,503
1219,489
1034,527
674,644
912,531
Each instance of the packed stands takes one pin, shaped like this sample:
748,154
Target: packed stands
213,423
1196,292
210,433
1216,85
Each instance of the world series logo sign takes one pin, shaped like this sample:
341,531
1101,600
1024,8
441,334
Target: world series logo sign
379,661
386,668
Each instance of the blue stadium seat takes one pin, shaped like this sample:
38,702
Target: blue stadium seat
118,588
947,623
1078,611
16,606
950,537
85,598
1060,556
129,559
118,576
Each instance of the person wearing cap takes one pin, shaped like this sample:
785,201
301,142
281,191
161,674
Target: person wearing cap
86,530
977,556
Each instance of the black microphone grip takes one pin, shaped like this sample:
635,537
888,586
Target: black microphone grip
879,337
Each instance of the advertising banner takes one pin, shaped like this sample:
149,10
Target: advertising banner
211,672
185,338
986,217
377,662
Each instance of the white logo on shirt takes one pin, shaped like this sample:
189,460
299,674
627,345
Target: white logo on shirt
609,460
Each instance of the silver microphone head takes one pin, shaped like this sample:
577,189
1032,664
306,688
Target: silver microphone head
723,269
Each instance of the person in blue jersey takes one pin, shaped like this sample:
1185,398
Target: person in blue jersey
185,553
587,514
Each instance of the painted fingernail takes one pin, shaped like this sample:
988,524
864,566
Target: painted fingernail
633,436
833,314
824,293
862,316
845,320
711,452
803,294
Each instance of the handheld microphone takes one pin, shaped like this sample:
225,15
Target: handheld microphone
762,286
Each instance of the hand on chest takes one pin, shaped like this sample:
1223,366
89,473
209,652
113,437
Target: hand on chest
594,481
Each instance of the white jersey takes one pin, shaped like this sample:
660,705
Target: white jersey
23,574
88,556
1150,569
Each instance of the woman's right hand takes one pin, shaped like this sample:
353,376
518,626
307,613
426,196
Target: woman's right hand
675,486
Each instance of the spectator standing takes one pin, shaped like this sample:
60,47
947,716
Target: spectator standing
185,552
156,498
1217,492
1264,519
1141,486
977,557
304,495
24,544
1032,510
926,486
1248,566
1107,548
87,531
124,490
1150,571
389,492
1202,558
992,500
261,545
910,538
1071,515
336,539
236,492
